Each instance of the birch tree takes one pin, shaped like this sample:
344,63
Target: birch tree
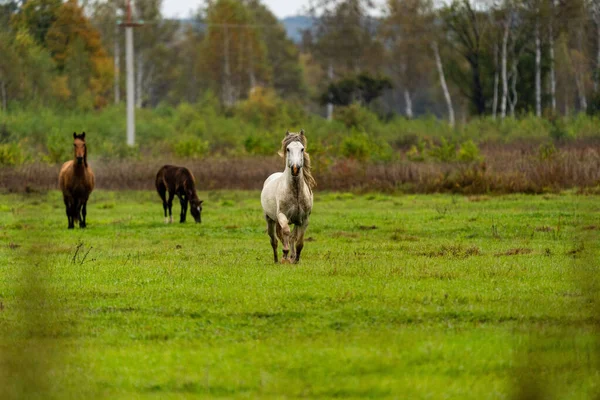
506,29
230,32
440,68
467,31
408,46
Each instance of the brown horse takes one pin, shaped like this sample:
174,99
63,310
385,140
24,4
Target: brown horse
178,181
76,180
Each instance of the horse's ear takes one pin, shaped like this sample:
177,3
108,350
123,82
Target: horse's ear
201,201
74,135
287,133
301,132
82,135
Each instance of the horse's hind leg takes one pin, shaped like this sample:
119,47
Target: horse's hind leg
170,206
162,192
271,230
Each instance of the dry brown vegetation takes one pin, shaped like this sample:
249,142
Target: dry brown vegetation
506,169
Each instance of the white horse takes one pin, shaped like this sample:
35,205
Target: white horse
287,198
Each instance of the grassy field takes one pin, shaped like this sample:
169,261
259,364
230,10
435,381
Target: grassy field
414,296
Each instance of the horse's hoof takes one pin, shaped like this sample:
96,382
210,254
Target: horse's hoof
285,261
166,220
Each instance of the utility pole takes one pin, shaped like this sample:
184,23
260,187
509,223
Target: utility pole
117,58
129,25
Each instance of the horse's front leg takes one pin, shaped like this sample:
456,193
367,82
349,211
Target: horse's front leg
184,203
285,233
299,239
82,223
68,208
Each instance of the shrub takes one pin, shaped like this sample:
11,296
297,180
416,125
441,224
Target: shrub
190,147
57,147
547,151
468,152
362,147
356,146
259,145
265,109
417,151
185,115
445,151
355,116
118,150
11,154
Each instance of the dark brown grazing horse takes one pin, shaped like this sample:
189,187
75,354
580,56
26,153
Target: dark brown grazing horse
76,180
178,181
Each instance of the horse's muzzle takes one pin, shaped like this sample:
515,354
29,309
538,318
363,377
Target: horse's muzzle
79,160
295,170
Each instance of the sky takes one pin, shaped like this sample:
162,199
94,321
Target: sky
281,8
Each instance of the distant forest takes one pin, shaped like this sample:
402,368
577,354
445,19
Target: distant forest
466,58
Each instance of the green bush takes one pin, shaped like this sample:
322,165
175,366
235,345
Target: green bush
547,151
444,152
57,147
356,146
190,147
116,150
256,126
468,152
11,154
416,151
362,147
259,145
355,116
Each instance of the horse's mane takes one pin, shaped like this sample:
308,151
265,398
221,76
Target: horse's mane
299,137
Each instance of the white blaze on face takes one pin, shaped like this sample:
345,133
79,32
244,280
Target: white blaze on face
295,157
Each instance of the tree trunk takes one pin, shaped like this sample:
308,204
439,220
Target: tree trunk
552,70
580,91
117,60
478,97
440,69
515,96
408,103
495,100
330,105
227,95
139,79
504,71
597,56
579,76
538,70
251,75
3,89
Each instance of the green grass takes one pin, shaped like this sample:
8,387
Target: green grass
396,297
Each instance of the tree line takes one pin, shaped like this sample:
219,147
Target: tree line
465,58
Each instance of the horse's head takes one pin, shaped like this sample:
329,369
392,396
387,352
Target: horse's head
295,157
79,147
196,209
